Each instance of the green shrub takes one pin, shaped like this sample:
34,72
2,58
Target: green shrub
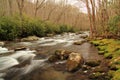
8,28
32,27
13,27
65,28
49,28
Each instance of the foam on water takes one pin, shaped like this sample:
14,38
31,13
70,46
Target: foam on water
3,50
34,65
7,62
22,53
67,38
16,58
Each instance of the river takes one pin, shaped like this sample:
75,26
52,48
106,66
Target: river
13,63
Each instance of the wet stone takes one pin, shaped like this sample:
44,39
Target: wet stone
2,43
93,63
74,62
79,42
20,48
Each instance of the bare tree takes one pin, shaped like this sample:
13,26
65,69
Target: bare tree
93,15
38,5
10,7
20,4
89,15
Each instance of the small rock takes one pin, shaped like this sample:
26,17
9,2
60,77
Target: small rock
100,69
95,75
93,63
50,35
30,38
80,32
20,48
79,42
85,67
53,58
83,36
2,43
74,61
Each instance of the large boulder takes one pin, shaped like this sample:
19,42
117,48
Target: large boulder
74,61
30,38
2,43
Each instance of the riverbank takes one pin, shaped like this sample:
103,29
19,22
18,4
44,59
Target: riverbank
110,49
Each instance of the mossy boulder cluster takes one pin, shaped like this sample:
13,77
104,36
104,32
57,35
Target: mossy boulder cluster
73,60
110,49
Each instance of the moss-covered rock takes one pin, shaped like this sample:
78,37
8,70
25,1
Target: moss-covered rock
95,76
108,55
101,52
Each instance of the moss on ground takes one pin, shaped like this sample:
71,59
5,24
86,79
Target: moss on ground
110,49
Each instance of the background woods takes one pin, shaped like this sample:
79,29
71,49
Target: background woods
102,16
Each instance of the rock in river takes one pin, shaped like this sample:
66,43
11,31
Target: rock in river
79,42
62,54
2,43
74,61
20,48
93,63
59,55
30,38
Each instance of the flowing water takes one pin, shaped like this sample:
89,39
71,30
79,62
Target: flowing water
31,63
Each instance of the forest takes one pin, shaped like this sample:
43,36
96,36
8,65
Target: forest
73,39
103,17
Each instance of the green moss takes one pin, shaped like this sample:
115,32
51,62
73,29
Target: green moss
111,73
116,75
101,52
102,48
108,55
111,50
95,76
